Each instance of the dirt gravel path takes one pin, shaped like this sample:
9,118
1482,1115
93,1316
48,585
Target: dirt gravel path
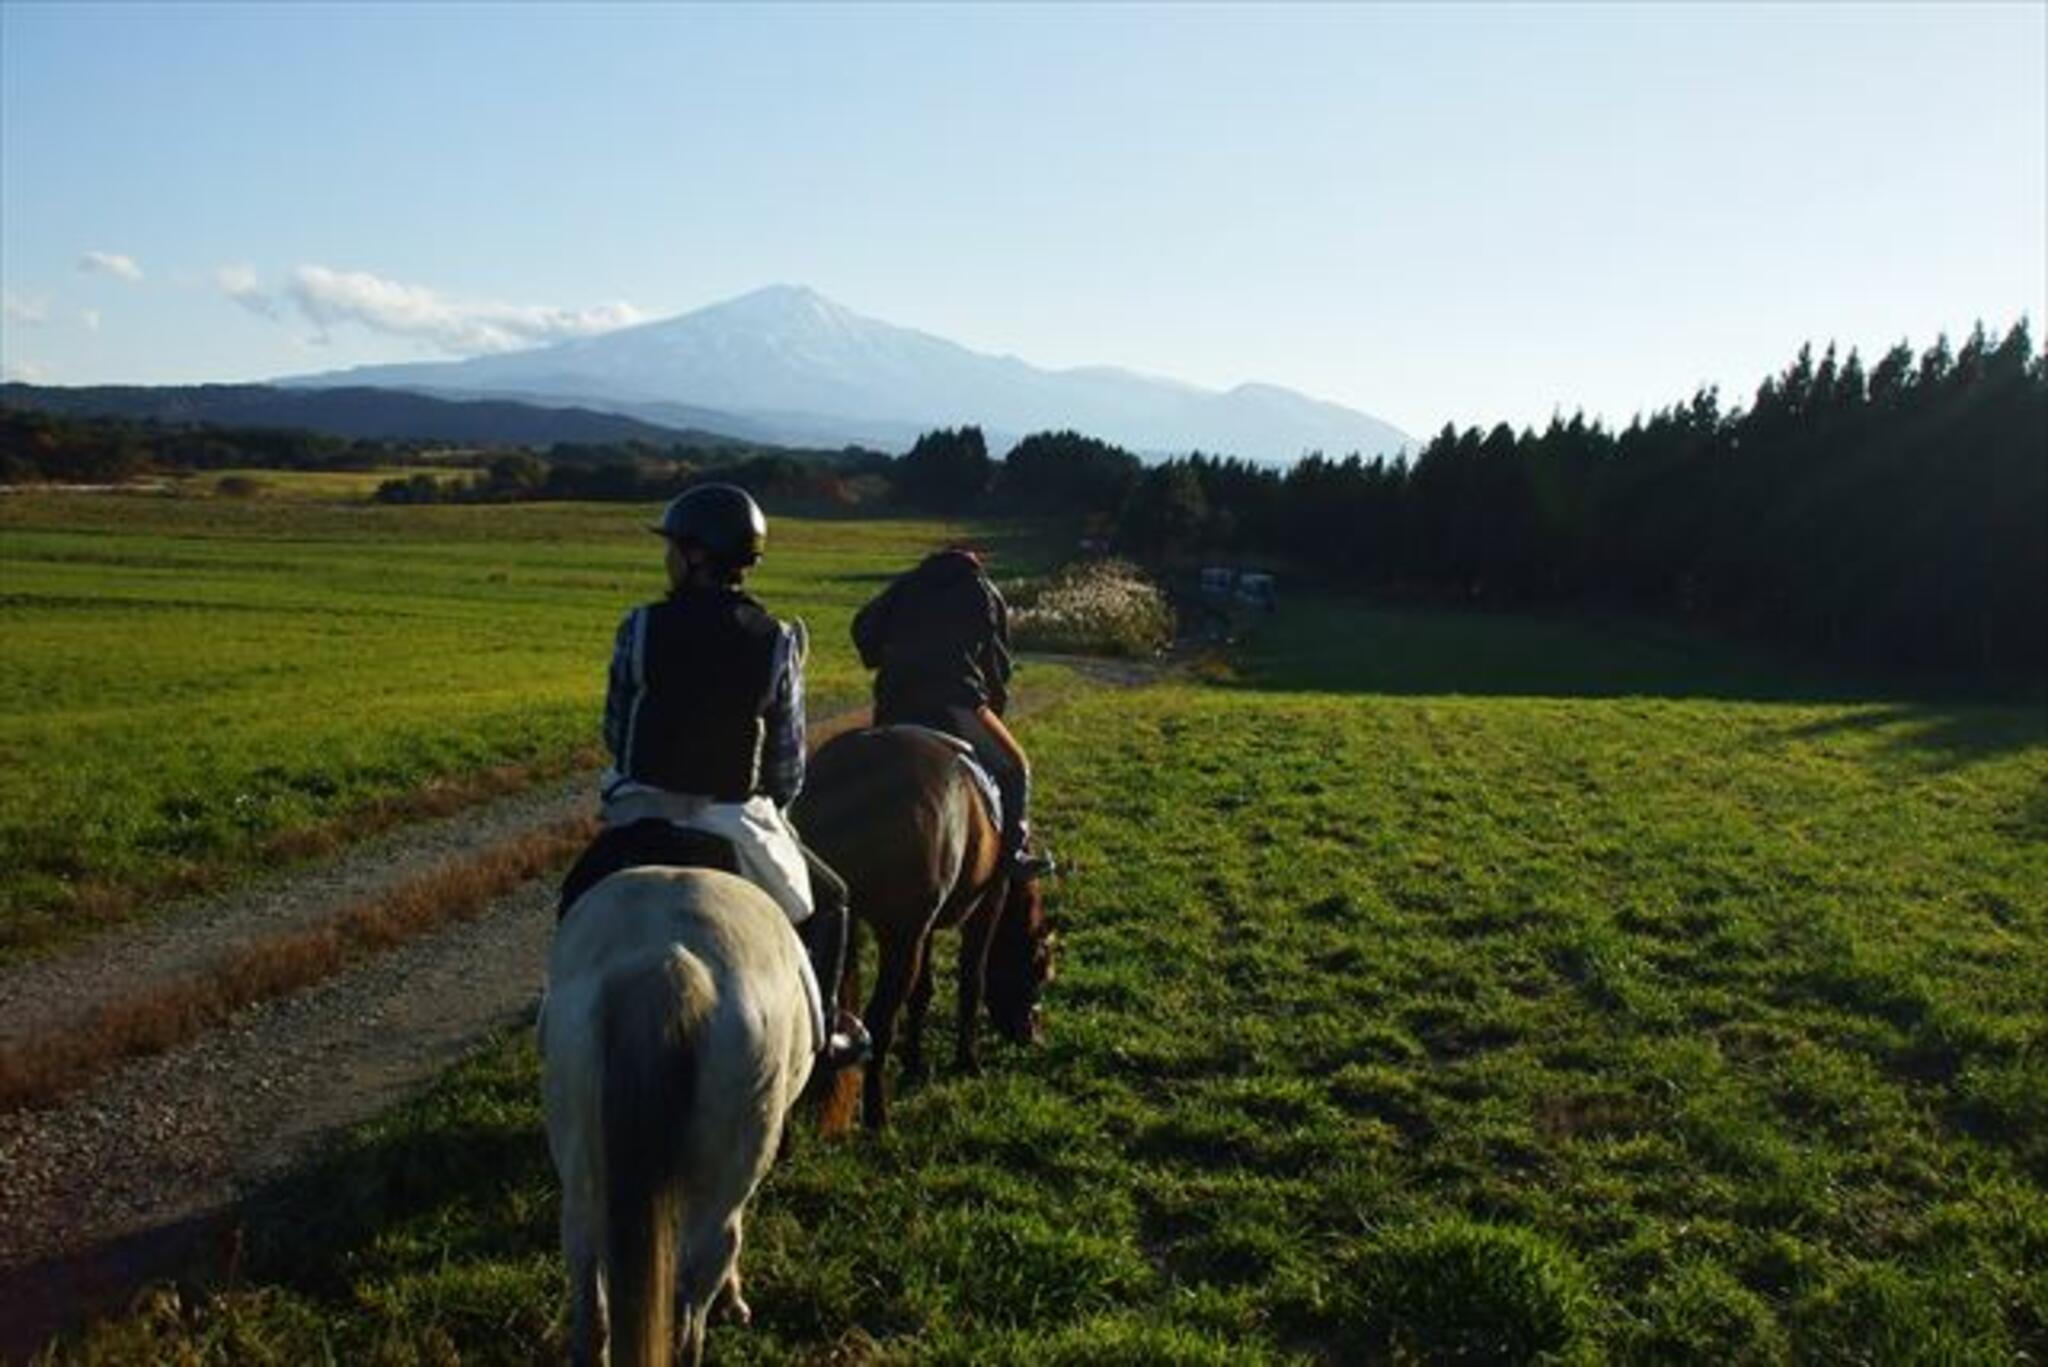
134,1175
113,1184
46,994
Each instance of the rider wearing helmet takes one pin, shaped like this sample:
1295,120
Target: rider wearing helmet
938,639
704,721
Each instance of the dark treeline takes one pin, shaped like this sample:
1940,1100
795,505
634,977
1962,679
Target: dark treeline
41,446
38,446
603,474
1896,513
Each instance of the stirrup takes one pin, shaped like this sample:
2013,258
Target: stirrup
846,1044
1029,864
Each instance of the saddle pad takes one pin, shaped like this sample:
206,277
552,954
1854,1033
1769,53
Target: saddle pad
641,843
984,781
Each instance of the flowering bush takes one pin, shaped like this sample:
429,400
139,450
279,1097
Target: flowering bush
1098,607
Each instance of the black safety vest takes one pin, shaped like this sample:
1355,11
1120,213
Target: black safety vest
701,671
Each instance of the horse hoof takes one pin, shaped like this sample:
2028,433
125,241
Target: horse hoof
736,1311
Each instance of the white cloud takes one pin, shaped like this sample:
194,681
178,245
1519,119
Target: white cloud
329,297
241,284
91,319
23,372
16,309
110,263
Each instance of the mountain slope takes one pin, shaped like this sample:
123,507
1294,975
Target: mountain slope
360,412
799,367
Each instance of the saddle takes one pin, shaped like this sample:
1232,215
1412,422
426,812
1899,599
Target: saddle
984,781
644,842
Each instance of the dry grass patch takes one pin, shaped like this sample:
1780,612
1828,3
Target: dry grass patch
165,1016
98,902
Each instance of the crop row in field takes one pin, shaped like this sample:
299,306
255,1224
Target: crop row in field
185,679
1390,1024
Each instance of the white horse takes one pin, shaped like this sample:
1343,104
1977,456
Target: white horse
674,1038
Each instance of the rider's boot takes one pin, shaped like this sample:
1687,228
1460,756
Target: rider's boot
1023,862
824,938
1027,863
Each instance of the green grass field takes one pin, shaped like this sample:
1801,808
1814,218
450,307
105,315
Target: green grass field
186,678
1438,988
297,486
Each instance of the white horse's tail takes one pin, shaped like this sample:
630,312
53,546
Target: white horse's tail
650,1015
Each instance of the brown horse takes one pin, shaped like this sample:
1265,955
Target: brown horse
895,813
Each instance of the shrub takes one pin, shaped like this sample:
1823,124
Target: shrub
1100,607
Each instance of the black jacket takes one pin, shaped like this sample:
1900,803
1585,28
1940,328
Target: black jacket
937,637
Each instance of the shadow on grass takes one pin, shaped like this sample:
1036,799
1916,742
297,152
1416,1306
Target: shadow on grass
1945,736
59,1294
1354,646
465,1184
320,1229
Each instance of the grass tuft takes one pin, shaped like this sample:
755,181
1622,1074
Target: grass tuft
1459,1288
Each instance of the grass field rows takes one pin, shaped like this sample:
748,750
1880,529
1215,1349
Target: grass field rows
1436,987
189,682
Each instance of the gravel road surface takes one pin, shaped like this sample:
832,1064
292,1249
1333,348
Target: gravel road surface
113,1183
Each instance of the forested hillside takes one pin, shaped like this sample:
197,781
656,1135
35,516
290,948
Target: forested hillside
1896,513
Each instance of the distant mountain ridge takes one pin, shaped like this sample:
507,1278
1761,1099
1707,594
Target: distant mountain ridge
787,364
362,413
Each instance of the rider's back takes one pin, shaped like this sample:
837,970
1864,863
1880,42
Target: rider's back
936,639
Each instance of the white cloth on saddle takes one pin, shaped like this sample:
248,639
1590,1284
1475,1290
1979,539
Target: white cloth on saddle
769,855
984,781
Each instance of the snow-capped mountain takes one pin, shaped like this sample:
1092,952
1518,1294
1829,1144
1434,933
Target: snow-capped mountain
791,365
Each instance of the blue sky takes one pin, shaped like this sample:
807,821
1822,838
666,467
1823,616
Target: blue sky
1445,213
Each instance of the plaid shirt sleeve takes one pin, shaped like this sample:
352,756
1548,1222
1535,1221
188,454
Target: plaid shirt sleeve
782,752
618,694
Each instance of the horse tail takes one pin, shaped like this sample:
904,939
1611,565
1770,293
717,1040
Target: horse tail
650,1013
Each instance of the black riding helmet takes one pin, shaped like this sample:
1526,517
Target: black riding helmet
722,518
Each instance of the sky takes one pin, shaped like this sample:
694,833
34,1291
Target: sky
1435,214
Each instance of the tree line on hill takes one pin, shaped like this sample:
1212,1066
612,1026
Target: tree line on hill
1895,513
600,474
39,446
